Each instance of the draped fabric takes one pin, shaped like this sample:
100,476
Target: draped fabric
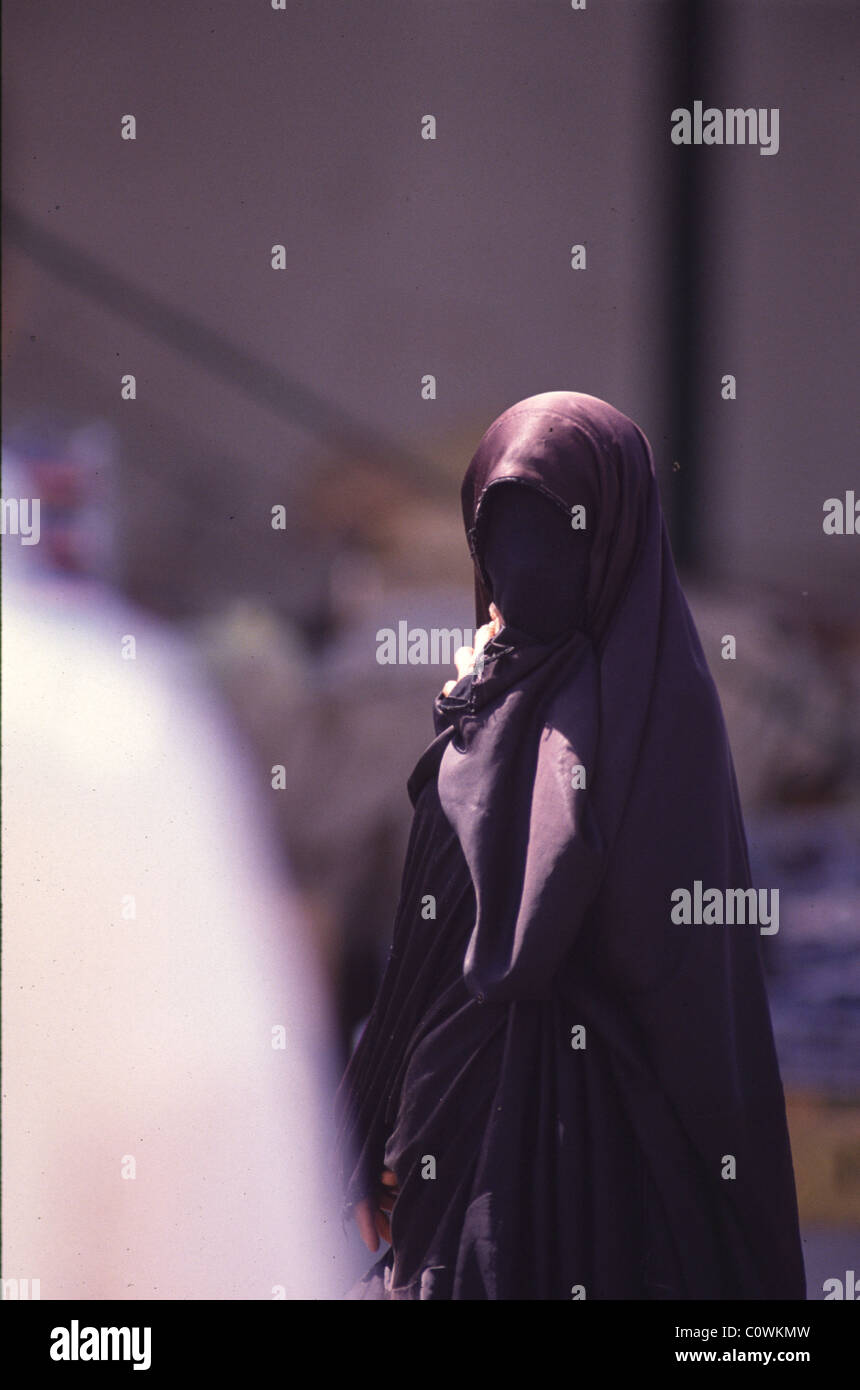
579,1096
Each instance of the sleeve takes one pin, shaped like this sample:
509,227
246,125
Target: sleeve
447,707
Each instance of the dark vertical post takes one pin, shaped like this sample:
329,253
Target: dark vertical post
688,79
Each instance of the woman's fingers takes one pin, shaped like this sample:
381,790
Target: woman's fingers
367,1229
372,1213
464,657
388,1196
385,1204
490,630
464,660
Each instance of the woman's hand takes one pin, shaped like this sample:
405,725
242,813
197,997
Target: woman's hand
372,1214
465,657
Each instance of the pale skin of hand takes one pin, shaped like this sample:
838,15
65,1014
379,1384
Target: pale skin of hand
465,657
373,1214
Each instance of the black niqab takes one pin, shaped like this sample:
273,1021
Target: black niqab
579,1096
535,561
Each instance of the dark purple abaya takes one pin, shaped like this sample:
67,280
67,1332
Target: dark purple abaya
579,1096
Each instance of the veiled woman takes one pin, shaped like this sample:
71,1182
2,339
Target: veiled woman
562,1092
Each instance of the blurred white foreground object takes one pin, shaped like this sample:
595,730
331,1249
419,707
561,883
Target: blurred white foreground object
156,1143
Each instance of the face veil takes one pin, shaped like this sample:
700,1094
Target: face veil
535,562
577,452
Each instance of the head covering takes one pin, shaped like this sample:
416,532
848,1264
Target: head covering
624,697
587,778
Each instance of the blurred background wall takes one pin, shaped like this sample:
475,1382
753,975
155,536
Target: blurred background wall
301,388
